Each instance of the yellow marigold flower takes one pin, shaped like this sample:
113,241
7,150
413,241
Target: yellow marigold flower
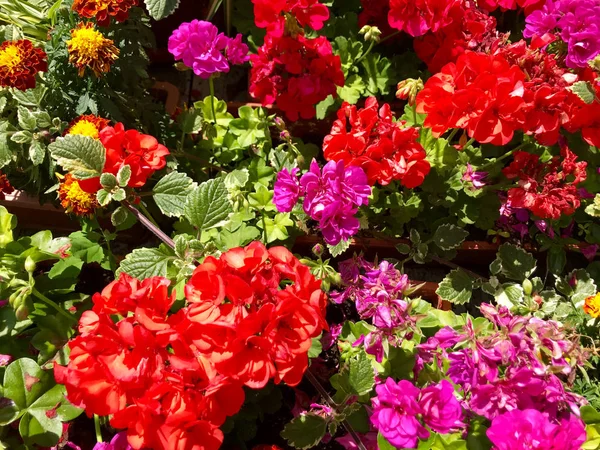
592,305
89,48
74,199
20,61
88,125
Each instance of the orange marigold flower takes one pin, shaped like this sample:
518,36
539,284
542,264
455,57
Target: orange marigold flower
74,199
88,125
20,61
103,10
592,305
89,48
5,186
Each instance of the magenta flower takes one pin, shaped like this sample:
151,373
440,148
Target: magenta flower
118,442
531,430
287,190
442,412
476,178
333,196
583,47
206,51
395,411
5,360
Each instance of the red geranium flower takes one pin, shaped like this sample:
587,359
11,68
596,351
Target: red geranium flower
295,73
271,14
141,152
416,17
385,149
20,62
5,186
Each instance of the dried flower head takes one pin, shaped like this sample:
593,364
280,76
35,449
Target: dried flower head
89,48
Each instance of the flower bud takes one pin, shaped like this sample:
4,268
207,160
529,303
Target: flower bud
371,33
285,135
318,250
181,67
279,123
22,312
527,287
30,265
408,89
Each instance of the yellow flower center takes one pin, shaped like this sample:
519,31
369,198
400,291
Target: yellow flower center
592,305
10,57
78,197
87,41
85,128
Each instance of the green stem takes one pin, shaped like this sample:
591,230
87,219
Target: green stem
451,135
414,111
264,226
503,157
147,214
365,54
396,33
52,304
211,84
97,428
148,224
112,259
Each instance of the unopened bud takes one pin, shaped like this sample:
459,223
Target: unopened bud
527,287
408,89
285,135
22,312
279,123
371,33
318,250
181,67
30,265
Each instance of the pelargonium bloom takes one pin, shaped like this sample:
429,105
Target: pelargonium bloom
271,14
287,190
118,442
475,178
333,196
531,429
416,17
20,61
442,411
206,51
395,410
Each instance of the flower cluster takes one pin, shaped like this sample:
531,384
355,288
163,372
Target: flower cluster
592,306
519,364
74,199
89,48
143,371
206,51
103,10
470,29
574,22
417,17
480,93
141,152
379,291
398,407
531,429
20,62
87,125
295,73
528,5
384,149
250,328
585,117
543,189
171,380
331,197
272,14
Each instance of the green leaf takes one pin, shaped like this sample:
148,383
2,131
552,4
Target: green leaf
119,216
108,181
85,246
190,121
315,348
124,175
456,287
277,227
237,179
25,382
22,137
144,263
584,288
37,152
172,192
509,295
83,156
379,73
262,199
69,267
448,237
352,91
514,263
26,119
556,260
361,375
208,205
5,152
585,91
383,443
339,248
104,197
159,9
324,107
8,222
305,431
589,415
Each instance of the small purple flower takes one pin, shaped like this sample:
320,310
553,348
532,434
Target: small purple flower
330,337
237,51
201,47
287,190
442,412
395,411
531,429
118,442
474,177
